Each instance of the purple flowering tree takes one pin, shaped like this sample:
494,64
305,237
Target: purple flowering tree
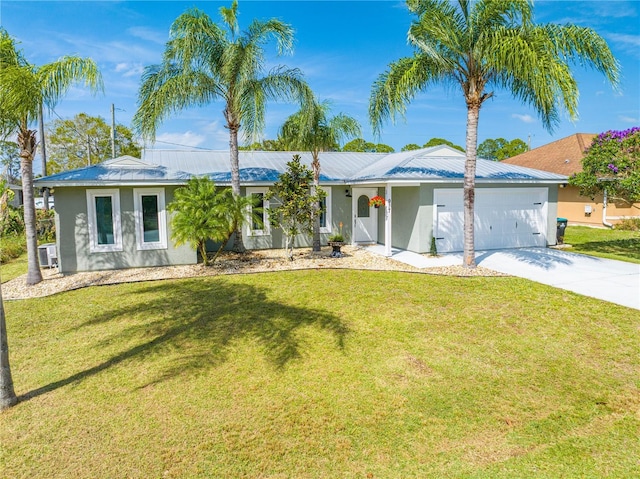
612,162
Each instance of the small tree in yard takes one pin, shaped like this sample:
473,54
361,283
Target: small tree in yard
201,213
612,164
295,212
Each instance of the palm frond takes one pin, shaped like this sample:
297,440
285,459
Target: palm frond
280,84
57,77
260,32
167,89
230,17
195,41
394,89
20,94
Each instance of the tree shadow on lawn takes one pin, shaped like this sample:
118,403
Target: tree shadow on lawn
629,247
201,320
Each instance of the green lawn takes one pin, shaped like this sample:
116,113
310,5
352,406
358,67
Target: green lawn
323,374
605,243
14,268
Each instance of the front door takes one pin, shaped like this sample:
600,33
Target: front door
365,217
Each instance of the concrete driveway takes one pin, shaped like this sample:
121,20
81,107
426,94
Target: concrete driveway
609,280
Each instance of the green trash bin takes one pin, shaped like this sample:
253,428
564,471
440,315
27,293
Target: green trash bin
561,226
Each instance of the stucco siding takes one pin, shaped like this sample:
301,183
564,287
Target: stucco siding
575,208
340,212
73,237
405,225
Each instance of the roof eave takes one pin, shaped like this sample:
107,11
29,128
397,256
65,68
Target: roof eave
64,184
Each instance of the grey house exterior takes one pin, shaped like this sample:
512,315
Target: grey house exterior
113,215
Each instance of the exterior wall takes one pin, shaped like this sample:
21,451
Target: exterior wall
404,217
412,217
340,213
73,236
412,227
573,206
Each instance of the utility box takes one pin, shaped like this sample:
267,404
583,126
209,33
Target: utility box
587,210
43,254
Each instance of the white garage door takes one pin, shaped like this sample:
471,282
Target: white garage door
504,218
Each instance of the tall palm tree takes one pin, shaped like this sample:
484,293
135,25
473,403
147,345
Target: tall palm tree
312,130
485,45
7,394
24,88
204,62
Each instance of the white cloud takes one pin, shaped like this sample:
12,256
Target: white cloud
217,135
179,140
627,43
524,118
149,34
628,119
632,40
129,69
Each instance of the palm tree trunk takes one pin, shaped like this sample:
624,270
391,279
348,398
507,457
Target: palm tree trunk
238,245
469,254
315,166
27,143
7,394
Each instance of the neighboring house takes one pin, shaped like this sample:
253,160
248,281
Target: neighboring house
565,158
18,199
113,215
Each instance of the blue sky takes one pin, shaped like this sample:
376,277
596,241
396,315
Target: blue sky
341,47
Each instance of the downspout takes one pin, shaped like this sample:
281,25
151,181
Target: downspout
604,211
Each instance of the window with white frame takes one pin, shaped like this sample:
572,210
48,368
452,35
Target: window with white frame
151,218
103,214
258,223
325,211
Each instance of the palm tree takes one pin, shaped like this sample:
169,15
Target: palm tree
312,130
7,394
204,62
24,88
481,46
201,212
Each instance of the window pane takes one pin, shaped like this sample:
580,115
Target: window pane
258,205
150,224
323,212
104,220
363,206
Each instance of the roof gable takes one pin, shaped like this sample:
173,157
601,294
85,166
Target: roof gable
118,170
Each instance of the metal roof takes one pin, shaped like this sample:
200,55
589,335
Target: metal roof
440,163
260,165
122,170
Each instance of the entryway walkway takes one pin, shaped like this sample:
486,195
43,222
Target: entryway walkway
609,280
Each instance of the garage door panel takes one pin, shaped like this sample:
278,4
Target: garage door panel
504,218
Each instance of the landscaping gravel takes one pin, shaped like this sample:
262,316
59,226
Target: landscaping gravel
227,263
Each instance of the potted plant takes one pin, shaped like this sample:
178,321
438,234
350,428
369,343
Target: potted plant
336,241
376,201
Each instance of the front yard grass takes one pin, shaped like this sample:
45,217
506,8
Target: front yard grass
604,243
323,374
13,268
